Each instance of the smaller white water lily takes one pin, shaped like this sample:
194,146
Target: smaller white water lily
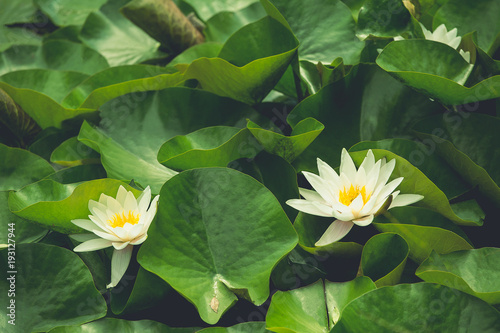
122,223
353,197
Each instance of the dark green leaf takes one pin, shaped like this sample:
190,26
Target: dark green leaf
122,326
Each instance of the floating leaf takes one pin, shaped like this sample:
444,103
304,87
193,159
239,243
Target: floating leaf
19,167
469,271
383,18
424,231
420,307
195,226
207,147
54,205
72,153
248,327
287,147
16,11
207,9
59,285
121,325
68,12
384,258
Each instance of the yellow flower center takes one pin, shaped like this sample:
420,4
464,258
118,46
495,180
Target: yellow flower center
347,196
119,220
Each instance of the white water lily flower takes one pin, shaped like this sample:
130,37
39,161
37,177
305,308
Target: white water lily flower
353,197
122,223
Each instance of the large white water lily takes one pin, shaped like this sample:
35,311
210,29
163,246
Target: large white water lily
353,197
442,35
122,223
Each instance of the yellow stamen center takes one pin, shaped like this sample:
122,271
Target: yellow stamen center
346,196
119,220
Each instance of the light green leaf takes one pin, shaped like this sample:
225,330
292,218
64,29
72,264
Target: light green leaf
207,147
204,50
287,147
60,289
72,153
68,12
420,307
121,325
129,144
424,231
55,84
207,9
382,18
471,271
196,225
54,205
325,29
116,38
248,327
384,258
19,167
16,37
19,11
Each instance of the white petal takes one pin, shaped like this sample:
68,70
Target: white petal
100,214
439,35
321,186
135,231
389,188
368,162
310,207
86,224
346,215
83,237
405,200
336,231
120,245
143,200
119,264
107,236
139,240
311,195
151,213
356,205
93,245
97,221
372,177
455,42
121,233
465,55
130,202
360,177
347,166
398,38
114,205
103,198
121,195
452,34
327,172
385,173
364,221
427,33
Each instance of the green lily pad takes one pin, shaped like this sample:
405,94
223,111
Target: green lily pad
310,228
53,54
248,327
54,205
287,147
122,325
207,9
203,50
24,231
415,182
420,307
207,147
440,71
384,258
195,226
16,11
471,271
303,310
62,292
424,231
325,28
55,84
116,38
117,81
68,12
469,16
386,18
41,108
79,173
223,24
129,144
468,151
72,153
19,167
14,37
